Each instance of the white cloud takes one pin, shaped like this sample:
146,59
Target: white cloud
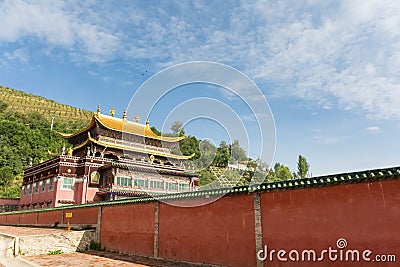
18,54
373,129
341,55
334,54
56,24
330,140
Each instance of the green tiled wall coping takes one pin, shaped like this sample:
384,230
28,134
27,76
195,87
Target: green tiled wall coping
313,182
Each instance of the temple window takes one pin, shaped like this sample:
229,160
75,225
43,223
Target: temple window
51,185
173,186
124,181
24,190
36,187
143,183
30,189
67,183
183,187
43,186
157,185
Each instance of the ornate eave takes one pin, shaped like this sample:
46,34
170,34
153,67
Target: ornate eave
130,148
123,126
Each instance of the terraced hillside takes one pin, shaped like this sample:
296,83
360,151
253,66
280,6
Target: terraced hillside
25,103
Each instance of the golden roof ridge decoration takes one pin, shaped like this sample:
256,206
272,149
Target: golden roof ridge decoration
122,125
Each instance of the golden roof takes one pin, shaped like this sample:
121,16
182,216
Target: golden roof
125,126
130,148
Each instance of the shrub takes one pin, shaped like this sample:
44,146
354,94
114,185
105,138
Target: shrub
55,252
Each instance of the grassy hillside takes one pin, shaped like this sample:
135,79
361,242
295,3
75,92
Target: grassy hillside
24,103
25,133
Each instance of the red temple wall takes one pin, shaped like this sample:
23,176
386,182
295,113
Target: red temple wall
366,215
82,215
50,217
28,218
42,196
128,228
3,219
79,192
37,197
24,199
12,219
220,233
9,201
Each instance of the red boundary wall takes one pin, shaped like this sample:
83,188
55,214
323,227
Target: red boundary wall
28,218
366,215
128,228
50,217
221,232
80,216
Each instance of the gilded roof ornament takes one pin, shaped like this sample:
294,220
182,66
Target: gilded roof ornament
121,125
98,109
70,151
112,112
124,116
136,118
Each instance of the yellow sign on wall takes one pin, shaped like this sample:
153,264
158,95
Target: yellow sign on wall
68,215
94,177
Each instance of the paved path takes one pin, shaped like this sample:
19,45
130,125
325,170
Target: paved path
25,231
102,258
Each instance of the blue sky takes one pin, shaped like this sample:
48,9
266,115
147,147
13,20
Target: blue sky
329,69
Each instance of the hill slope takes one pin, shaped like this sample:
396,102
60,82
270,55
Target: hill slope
24,103
25,134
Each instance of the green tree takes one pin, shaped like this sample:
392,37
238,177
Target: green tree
19,143
280,173
188,146
6,175
302,167
223,156
206,177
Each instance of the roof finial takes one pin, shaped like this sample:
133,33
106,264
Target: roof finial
112,112
124,116
136,118
98,109
147,122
